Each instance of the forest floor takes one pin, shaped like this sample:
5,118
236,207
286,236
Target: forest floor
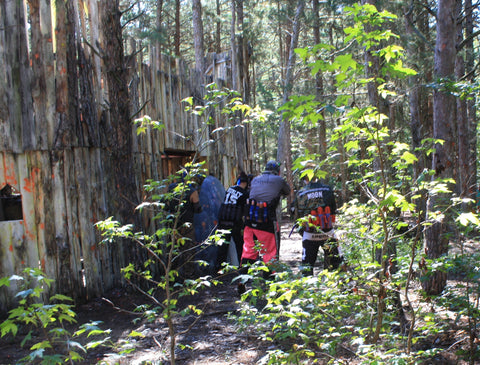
213,339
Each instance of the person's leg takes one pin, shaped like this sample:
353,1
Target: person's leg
249,255
222,252
249,251
277,239
309,256
268,249
237,235
332,255
268,245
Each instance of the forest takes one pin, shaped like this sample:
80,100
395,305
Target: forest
378,99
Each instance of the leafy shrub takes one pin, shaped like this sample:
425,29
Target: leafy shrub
45,323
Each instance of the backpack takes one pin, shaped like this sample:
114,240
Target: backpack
317,201
231,210
230,213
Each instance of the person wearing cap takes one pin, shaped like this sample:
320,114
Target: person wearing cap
260,215
230,218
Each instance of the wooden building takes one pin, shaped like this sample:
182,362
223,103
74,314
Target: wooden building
62,162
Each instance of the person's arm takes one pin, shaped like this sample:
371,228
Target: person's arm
195,200
330,200
285,188
334,203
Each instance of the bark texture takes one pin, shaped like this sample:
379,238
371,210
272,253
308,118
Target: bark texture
284,153
444,122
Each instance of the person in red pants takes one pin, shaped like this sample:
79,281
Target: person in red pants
260,217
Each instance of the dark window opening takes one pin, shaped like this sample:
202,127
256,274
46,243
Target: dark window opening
173,160
10,204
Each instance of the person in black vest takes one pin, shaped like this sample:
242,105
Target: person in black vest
230,217
315,210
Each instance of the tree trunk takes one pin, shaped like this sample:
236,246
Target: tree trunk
120,116
380,162
243,54
419,100
198,37
470,60
218,31
463,136
233,45
280,42
319,90
436,235
238,132
158,25
284,143
177,28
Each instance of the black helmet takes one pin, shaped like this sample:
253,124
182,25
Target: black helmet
242,177
273,166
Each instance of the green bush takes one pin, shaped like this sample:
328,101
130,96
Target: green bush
43,322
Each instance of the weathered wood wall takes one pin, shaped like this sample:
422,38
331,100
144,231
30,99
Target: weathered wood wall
54,139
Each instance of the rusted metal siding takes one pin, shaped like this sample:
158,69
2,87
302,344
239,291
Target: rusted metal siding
54,141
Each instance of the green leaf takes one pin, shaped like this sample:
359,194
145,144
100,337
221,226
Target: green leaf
303,53
94,344
188,100
75,356
409,157
8,326
466,218
61,297
398,67
41,345
345,62
136,334
97,332
352,145
38,353
4,282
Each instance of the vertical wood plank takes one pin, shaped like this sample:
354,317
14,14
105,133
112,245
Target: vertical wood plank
11,235
88,252
43,86
61,138
11,243
28,255
6,139
107,256
94,37
18,92
40,181
65,272
161,103
70,258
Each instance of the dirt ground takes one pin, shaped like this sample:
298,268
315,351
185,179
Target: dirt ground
213,339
